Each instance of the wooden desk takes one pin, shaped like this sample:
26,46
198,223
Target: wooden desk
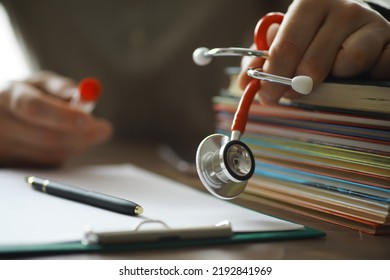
340,242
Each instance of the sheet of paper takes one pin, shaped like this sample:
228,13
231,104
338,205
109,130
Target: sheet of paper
31,217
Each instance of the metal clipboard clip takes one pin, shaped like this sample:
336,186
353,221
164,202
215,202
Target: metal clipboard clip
220,230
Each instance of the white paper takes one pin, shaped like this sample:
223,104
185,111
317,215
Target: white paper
28,216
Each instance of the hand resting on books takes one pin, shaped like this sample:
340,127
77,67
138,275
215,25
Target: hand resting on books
37,127
322,37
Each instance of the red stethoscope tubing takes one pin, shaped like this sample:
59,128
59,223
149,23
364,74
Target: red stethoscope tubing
260,40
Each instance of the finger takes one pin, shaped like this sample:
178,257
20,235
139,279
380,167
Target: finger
247,61
23,143
360,51
30,105
318,59
334,50
21,151
381,68
271,33
18,155
101,132
289,45
14,153
70,142
53,84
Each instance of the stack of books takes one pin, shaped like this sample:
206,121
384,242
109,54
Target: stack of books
325,155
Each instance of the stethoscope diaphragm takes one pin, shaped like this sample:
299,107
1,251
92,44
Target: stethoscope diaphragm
224,166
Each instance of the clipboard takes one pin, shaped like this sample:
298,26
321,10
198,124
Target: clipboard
137,239
190,225
81,247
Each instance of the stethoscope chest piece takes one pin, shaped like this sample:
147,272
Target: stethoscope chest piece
224,166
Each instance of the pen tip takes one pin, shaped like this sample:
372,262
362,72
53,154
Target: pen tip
29,179
138,210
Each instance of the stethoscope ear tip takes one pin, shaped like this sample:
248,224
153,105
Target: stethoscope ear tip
302,84
199,56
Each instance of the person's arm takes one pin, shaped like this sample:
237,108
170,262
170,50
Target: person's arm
38,128
322,37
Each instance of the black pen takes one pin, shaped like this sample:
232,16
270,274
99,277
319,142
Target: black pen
100,200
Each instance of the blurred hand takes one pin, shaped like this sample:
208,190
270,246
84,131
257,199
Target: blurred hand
322,37
39,128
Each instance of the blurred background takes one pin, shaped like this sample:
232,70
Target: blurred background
142,53
13,64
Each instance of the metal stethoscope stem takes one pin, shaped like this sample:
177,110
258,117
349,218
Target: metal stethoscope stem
302,84
203,56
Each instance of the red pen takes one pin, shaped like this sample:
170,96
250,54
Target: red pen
86,95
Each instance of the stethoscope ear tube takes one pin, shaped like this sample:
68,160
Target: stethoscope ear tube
226,164
261,29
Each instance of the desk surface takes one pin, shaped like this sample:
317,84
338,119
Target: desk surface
340,242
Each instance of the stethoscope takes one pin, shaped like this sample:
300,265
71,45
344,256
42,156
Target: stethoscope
224,164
